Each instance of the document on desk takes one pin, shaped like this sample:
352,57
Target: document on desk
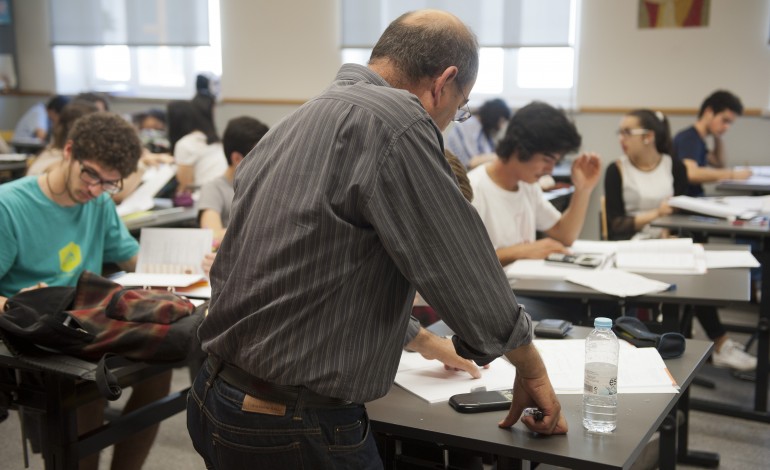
153,180
665,256
170,257
730,259
618,282
640,370
429,380
714,207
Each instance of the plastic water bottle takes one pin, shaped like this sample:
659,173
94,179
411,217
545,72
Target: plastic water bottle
600,391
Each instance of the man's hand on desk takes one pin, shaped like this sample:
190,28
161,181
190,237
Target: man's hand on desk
532,388
441,349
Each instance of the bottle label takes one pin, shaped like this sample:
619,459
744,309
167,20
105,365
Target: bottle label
601,379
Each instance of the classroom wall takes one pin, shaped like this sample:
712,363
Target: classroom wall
278,54
622,65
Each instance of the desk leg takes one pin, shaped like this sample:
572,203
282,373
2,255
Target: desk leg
763,336
667,443
60,432
507,463
684,455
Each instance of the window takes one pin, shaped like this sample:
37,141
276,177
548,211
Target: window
120,60
527,46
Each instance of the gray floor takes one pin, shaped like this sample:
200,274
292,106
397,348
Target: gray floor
741,444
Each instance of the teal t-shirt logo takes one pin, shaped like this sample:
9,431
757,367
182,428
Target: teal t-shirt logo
69,257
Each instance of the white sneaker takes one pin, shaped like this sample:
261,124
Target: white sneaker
733,356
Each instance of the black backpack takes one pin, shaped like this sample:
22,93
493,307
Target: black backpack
100,320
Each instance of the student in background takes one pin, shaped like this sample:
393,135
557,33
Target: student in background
333,228
508,197
473,141
717,113
637,187
638,184
194,144
54,152
100,100
56,225
39,120
241,135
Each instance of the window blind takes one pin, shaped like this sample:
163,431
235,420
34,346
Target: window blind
129,22
497,23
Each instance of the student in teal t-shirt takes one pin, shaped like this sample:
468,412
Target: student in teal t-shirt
56,225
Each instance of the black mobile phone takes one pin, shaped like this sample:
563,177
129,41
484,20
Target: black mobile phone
476,402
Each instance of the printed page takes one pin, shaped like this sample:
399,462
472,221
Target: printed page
173,250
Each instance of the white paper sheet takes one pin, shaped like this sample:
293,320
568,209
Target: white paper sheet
539,269
173,250
153,180
667,256
171,257
618,282
730,259
712,207
430,381
640,370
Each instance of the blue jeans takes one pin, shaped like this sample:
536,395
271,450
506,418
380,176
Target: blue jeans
229,438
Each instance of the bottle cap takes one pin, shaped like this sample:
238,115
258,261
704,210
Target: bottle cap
602,322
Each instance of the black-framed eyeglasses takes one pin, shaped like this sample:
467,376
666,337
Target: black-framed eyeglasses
629,132
464,111
90,177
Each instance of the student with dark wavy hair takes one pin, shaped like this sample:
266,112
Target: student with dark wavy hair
473,141
506,191
56,225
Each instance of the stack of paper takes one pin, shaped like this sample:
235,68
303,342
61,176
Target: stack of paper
712,207
640,370
667,255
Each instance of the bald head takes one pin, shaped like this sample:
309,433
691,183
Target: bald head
422,44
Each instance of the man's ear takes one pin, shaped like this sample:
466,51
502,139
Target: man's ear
438,87
236,158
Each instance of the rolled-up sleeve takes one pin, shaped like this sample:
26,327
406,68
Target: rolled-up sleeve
439,243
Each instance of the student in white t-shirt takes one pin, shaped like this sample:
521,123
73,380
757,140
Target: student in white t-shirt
506,191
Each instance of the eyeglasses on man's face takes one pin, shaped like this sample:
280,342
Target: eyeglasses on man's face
625,132
91,177
463,112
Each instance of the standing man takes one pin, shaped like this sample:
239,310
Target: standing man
341,211
63,222
716,115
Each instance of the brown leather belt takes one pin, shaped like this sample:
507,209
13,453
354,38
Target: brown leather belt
258,388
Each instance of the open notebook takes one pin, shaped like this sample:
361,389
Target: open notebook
170,257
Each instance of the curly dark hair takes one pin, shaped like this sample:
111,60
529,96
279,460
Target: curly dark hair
107,139
538,128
